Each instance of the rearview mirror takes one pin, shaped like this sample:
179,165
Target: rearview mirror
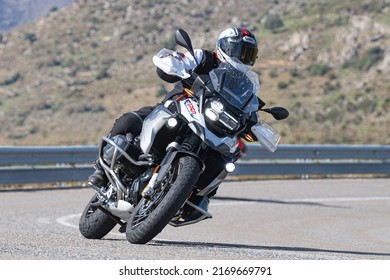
183,39
279,113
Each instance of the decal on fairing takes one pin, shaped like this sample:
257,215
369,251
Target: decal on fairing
191,109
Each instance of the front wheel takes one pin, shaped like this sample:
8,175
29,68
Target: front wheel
152,214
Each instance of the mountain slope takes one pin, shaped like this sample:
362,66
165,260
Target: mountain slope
65,77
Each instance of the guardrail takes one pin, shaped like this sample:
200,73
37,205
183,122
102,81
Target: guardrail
22,165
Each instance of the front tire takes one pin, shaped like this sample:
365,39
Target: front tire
94,223
152,215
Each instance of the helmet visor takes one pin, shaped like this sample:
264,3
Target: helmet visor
246,54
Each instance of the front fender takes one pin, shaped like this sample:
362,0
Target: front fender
180,154
167,162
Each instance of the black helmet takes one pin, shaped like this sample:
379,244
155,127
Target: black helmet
237,45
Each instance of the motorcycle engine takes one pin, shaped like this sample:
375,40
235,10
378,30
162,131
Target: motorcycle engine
129,168
126,144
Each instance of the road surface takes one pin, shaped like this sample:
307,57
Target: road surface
269,220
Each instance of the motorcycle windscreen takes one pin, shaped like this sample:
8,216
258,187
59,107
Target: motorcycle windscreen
238,88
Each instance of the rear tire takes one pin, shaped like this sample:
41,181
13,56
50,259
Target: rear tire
152,215
94,223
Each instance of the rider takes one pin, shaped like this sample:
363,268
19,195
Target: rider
236,46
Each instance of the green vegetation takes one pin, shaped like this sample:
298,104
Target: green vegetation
9,81
273,22
318,69
31,37
282,85
53,9
170,44
101,74
367,60
162,91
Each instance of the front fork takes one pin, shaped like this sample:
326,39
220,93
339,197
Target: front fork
174,151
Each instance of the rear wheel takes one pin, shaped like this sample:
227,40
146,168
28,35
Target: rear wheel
152,214
94,223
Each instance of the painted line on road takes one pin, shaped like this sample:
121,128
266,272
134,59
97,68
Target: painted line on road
65,220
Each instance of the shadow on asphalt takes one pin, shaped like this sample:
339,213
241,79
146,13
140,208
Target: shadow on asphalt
303,203
269,248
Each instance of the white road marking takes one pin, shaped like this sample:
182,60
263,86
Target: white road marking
44,220
65,220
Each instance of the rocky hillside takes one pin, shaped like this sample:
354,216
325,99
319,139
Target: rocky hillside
65,77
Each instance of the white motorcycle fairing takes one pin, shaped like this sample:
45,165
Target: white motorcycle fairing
189,109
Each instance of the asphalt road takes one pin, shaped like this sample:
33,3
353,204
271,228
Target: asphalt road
269,220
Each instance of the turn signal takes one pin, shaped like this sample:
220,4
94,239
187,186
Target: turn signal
189,92
248,137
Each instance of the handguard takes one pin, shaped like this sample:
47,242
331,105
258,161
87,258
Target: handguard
171,63
266,135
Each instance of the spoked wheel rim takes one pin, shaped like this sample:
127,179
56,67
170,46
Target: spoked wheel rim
147,205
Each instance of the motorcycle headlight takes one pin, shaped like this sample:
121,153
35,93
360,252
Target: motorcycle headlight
229,121
211,114
217,106
215,111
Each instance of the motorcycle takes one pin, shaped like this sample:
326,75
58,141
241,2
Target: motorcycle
185,150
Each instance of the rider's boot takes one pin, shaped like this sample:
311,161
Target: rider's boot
98,178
